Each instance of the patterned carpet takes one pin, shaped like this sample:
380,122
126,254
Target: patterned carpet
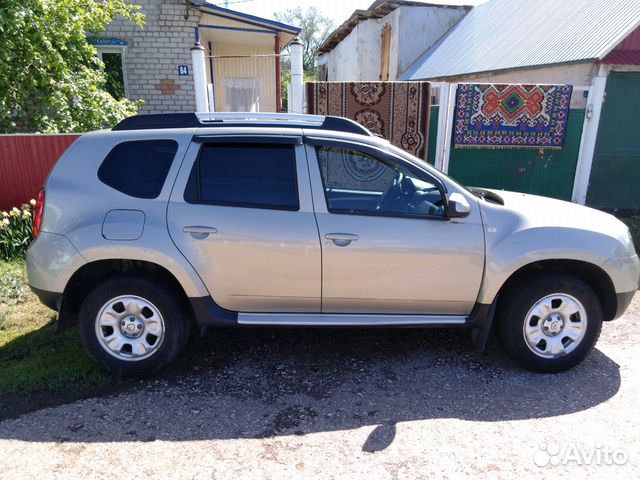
397,111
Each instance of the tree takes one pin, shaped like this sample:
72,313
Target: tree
315,30
50,76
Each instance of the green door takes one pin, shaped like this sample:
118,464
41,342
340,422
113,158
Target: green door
542,172
615,173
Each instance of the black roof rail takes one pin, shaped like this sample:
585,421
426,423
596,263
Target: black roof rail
164,120
196,120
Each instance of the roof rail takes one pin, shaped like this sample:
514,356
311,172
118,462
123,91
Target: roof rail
220,119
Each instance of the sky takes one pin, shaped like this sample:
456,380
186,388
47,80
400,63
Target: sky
338,10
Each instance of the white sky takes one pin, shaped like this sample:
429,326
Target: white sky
338,10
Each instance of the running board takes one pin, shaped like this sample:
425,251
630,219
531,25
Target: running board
350,320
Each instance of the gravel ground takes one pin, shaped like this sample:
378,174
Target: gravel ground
355,404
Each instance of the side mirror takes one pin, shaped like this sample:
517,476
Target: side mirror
457,206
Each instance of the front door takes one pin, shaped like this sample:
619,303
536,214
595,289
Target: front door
387,246
241,213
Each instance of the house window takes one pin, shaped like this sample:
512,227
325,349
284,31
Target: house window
114,73
385,50
111,52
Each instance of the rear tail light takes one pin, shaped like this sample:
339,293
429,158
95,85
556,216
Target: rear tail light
37,218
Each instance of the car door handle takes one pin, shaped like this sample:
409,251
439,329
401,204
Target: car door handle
341,239
199,232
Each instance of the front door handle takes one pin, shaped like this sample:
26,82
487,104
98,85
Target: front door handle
341,239
198,232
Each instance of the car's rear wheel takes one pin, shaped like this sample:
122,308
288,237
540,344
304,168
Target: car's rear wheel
549,322
133,326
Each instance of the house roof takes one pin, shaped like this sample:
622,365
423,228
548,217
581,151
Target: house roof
246,18
229,26
511,34
378,9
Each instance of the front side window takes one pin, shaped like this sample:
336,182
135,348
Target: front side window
138,168
241,175
358,183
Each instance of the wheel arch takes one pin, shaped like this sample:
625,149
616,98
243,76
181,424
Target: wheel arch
591,274
92,274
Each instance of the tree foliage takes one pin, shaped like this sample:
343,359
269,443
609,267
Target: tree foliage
315,30
50,77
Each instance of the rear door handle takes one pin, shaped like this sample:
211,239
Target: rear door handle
341,239
199,232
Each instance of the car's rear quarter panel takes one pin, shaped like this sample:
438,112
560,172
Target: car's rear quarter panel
77,202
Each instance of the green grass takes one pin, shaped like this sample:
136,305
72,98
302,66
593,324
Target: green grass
34,357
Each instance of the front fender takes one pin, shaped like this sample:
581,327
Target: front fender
509,253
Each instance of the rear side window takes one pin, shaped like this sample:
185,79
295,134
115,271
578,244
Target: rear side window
242,175
138,168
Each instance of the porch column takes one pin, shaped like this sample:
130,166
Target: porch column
589,136
278,74
297,78
199,75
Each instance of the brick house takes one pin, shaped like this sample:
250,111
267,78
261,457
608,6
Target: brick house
154,63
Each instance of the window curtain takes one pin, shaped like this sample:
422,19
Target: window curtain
242,94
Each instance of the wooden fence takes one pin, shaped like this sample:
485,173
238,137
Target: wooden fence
25,162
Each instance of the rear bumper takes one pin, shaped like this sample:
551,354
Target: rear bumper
53,300
51,261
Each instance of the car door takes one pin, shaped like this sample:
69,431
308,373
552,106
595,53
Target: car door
387,244
242,215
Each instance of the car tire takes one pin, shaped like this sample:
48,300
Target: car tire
134,326
549,323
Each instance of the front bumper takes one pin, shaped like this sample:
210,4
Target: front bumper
623,301
624,273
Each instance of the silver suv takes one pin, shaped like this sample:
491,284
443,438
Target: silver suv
292,220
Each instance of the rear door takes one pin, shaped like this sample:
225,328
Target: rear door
242,215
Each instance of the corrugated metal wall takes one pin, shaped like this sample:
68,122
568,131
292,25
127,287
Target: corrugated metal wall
25,161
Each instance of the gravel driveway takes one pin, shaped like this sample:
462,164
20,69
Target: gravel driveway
355,404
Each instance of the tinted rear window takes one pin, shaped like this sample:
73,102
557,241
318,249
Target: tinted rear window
138,168
258,176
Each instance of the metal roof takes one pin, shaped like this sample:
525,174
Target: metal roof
509,34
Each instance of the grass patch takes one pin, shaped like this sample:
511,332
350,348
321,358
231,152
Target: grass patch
34,357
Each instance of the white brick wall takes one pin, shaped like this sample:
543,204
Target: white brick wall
154,53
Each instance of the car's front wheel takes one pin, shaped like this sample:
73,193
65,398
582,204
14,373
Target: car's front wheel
550,322
133,326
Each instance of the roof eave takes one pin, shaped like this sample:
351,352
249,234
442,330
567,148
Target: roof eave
504,70
247,18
